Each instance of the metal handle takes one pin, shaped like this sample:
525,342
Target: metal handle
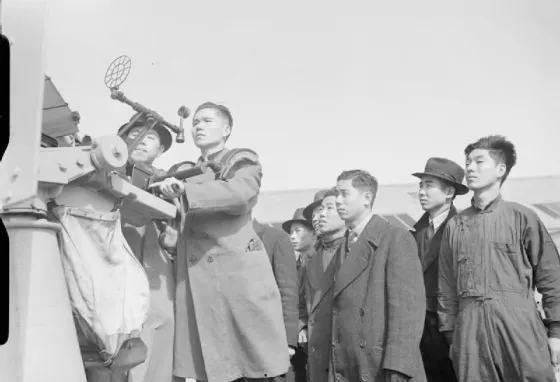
119,96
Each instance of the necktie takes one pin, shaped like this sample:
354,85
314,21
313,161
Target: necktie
431,230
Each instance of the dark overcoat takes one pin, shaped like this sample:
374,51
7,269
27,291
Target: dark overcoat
378,307
283,260
316,313
429,255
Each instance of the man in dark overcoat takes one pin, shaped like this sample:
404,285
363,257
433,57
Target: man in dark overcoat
379,302
317,286
440,182
283,260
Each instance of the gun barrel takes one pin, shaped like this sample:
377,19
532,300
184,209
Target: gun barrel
118,95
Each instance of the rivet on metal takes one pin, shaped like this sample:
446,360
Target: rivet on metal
62,167
80,163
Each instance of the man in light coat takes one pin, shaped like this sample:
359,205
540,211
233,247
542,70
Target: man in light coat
229,322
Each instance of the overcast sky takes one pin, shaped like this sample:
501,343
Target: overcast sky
317,87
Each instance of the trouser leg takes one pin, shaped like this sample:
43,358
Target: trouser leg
435,352
470,351
519,343
299,362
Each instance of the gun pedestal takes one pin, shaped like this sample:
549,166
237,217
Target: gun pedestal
41,318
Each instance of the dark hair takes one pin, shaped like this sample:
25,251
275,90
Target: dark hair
361,180
221,109
501,150
331,192
224,111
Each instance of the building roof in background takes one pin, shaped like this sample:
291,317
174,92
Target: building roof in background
399,203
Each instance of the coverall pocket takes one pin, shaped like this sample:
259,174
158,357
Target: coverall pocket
465,281
504,267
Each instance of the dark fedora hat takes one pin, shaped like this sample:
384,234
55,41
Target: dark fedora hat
446,170
164,134
317,199
298,218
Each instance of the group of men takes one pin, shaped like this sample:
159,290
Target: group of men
343,295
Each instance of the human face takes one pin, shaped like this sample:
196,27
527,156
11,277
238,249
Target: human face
433,193
315,219
329,219
148,149
301,237
482,170
209,128
351,203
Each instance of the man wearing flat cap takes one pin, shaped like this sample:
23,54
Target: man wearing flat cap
440,182
310,213
318,278
159,328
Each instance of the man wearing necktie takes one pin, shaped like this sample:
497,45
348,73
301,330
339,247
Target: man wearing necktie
440,182
379,302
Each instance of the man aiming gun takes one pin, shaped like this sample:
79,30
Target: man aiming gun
229,323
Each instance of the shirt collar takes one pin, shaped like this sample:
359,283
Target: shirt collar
356,232
211,157
490,207
439,219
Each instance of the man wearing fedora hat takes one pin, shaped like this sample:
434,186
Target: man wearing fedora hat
302,235
302,238
440,182
159,328
283,261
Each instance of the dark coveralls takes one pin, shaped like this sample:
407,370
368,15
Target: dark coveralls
489,263
433,346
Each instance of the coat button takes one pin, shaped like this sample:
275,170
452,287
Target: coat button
210,259
334,312
362,311
311,323
192,260
334,342
312,350
365,377
362,343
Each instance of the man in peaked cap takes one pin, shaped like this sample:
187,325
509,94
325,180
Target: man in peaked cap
159,328
440,182
156,141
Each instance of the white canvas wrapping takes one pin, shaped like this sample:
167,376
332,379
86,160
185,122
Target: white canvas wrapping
108,286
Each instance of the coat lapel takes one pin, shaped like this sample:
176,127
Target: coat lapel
321,280
432,251
361,253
